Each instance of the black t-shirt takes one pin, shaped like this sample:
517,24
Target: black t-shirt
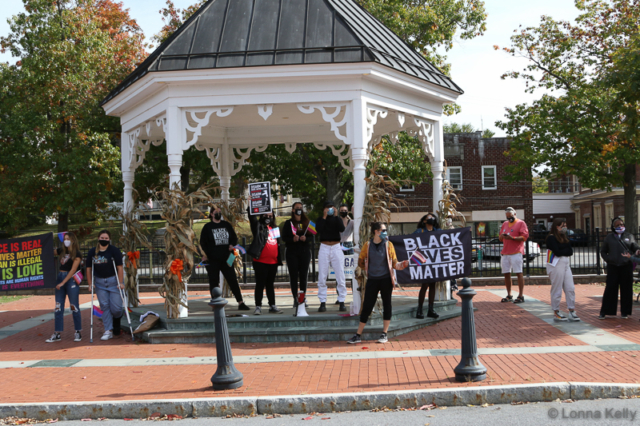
66,262
102,263
216,238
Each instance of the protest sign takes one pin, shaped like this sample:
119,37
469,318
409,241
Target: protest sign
350,263
27,263
434,256
260,197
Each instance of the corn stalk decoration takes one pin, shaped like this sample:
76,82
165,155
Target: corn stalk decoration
181,243
233,212
133,237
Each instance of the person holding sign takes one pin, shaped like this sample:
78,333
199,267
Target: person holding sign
217,240
265,251
69,279
298,253
100,267
329,227
378,260
428,223
559,252
513,234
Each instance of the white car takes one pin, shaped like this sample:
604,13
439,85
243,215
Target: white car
493,247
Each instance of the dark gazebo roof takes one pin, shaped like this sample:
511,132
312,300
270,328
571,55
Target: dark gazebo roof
245,33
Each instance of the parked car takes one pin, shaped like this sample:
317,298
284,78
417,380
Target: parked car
493,247
578,237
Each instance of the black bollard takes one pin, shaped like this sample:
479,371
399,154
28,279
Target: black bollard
470,369
226,376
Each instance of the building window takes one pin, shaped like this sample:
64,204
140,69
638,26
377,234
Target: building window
407,188
597,217
608,210
489,179
454,176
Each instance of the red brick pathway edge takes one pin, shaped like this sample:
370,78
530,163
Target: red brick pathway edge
324,403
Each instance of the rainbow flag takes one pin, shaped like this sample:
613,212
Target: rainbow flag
312,228
97,311
552,259
418,258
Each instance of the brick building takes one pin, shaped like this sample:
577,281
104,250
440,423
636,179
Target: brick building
476,167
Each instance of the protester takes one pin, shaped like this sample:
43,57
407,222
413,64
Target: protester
100,260
265,251
329,227
428,223
615,247
559,270
218,241
513,234
298,253
346,236
70,259
378,260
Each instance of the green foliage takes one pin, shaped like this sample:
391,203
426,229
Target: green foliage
458,128
487,133
540,185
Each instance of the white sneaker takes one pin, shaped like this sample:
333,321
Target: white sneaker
573,316
258,311
77,337
55,337
107,335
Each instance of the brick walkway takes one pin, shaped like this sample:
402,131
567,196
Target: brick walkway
498,325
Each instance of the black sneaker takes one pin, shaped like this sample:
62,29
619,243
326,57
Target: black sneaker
337,303
355,339
77,337
323,308
243,307
55,337
601,317
432,314
342,307
383,338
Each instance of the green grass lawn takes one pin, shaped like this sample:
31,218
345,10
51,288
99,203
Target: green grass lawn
7,299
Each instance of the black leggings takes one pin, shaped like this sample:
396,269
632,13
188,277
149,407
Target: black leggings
384,286
298,264
423,292
213,270
265,277
622,277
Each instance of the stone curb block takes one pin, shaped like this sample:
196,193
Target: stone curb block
603,390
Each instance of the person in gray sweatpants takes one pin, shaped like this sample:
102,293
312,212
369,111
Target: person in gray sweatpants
559,270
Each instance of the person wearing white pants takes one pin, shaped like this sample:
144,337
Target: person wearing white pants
329,227
559,270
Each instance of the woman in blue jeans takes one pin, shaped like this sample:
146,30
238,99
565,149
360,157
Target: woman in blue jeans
100,260
70,259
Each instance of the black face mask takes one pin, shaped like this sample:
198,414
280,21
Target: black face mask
217,216
104,243
511,219
298,212
267,220
431,221
344,214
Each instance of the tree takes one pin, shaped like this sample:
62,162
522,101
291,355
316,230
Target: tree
582,125
540,185
458,128
59,151
487,133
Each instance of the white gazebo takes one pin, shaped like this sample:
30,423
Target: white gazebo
240,75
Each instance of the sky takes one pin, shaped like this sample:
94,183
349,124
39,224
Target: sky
475,66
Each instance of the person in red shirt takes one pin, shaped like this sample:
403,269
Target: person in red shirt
513,234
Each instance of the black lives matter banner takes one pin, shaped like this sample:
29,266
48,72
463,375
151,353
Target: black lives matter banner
445,255
27,263
260,197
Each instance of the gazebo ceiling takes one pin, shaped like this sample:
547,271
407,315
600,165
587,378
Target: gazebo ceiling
249,33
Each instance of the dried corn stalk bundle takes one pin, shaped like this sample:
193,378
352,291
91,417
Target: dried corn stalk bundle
233,211
133,237
181,243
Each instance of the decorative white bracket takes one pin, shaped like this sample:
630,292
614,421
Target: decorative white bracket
138,147
290,147
330,117
424,132
372,118
239,162
265,111
343,152
214,154
201,122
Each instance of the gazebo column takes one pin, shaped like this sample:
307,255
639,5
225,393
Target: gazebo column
443,290
173,135
128,173
225,171
359,155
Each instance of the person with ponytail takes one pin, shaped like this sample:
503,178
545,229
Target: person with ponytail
615,248
298,254
378,260
70,259
428,223
266,254
559,270
100,260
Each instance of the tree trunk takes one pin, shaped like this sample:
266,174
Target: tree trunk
630,203
334,192
185,173
63,221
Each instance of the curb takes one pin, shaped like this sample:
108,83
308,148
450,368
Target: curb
302,404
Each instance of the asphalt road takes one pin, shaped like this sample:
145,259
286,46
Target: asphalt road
600,412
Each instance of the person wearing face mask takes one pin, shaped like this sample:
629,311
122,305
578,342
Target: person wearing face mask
559,270
100,260
217,240
329,227
615,247
378,260
298,254
346,236
70,259
428,223
266,254
513,235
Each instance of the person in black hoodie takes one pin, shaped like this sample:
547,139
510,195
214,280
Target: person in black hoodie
267,256
559,270
619,270
298,253
329,227
428,223
217,240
